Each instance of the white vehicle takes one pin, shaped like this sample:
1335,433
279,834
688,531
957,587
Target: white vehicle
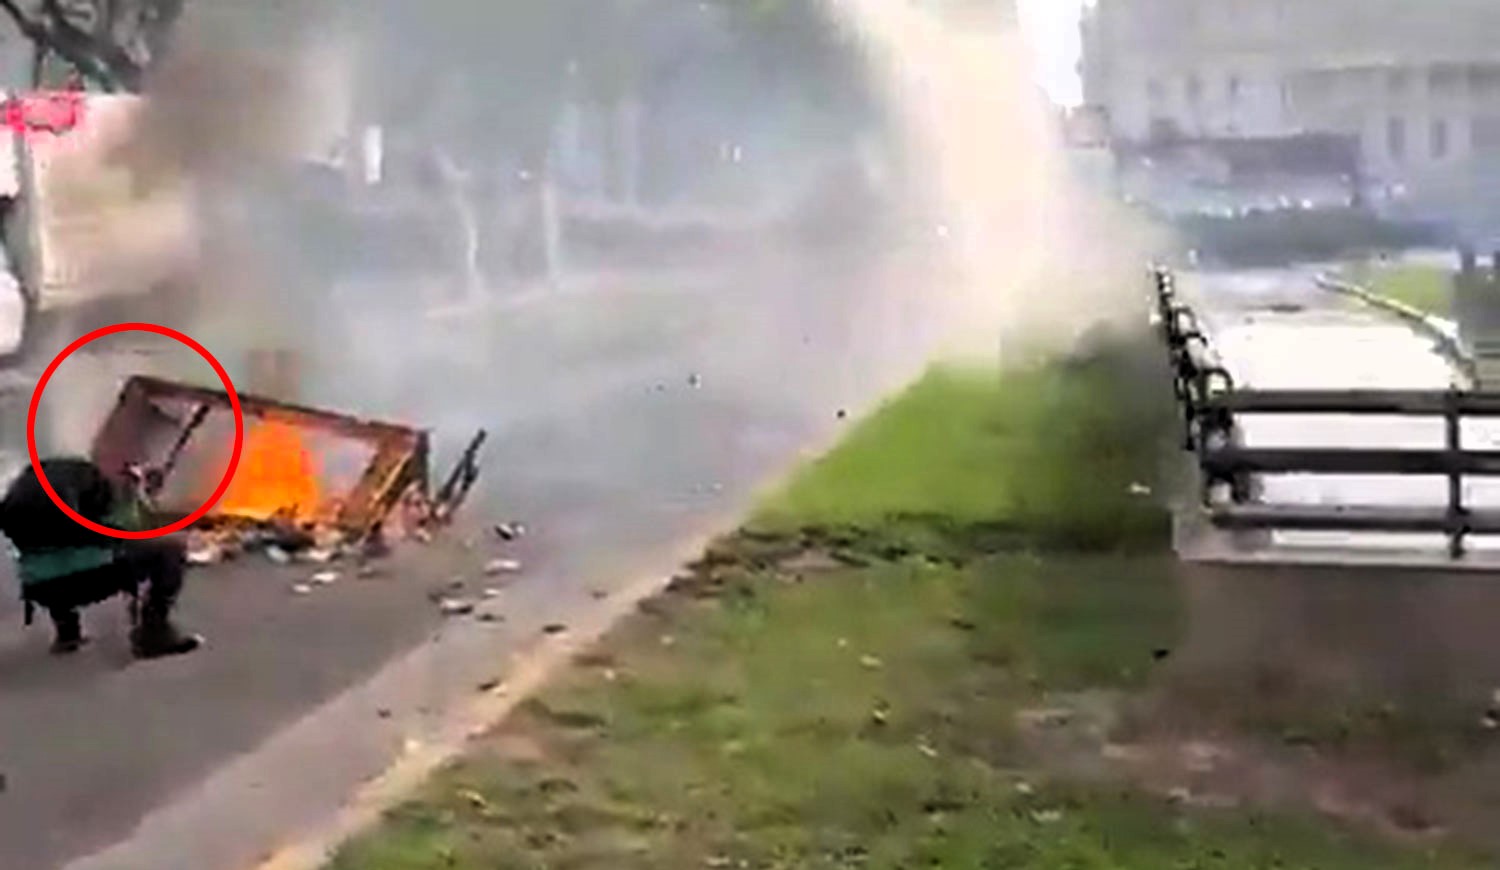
85,231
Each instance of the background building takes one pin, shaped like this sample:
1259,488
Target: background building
1414,87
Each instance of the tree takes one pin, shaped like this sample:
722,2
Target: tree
111,43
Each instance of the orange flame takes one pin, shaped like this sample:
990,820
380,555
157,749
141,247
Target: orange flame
277,476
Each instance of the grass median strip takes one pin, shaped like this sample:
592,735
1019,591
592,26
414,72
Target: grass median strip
1428,289
869,673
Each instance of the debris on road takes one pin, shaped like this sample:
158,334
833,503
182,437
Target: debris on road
325,578
554,628
501,566
456,606
509,531
301,589
490,684
207,554
491,592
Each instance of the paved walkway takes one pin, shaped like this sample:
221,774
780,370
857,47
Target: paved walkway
1276,329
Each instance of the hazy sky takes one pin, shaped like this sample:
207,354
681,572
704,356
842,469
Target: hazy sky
1052,28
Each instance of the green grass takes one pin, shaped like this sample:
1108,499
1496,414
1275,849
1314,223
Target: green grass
860,711
1428,289
1054,453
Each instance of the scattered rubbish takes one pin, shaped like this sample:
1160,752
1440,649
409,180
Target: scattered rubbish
320,556
1491,721
926,750
695,381
842,414
474,798
491,617
1140,489
501,566
1046,817
278,555
1160,653
301,589
1025,789
554,628
609,675
842,643
491,592
490,685
1122,753
325,578
365,572
668,640
870,662
879,716
1179,795
456,607
962,624
599,594
510,531
454,584
1051,718
205,556
383,713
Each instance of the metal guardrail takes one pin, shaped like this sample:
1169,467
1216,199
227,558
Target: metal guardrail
1211,405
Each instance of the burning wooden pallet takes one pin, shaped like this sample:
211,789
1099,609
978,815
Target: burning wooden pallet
300,467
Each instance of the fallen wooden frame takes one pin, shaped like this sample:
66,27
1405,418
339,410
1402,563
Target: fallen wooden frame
159,424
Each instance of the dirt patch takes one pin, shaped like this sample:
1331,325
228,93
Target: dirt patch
1364,696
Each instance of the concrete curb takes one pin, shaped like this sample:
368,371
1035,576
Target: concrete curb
1443,335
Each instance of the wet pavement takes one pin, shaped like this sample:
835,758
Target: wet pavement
623,423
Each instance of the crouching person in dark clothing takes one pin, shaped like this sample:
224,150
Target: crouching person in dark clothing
65,567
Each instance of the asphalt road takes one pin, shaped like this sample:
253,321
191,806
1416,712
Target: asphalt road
624,420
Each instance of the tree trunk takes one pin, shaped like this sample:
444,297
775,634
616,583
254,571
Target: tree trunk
466,219
552,249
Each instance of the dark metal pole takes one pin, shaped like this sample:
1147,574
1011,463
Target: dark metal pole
1457,515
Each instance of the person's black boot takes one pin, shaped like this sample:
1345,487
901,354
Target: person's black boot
69,637
162,639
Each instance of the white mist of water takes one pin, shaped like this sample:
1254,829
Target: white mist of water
1037,260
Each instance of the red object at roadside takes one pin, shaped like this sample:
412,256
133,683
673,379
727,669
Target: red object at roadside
55,112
